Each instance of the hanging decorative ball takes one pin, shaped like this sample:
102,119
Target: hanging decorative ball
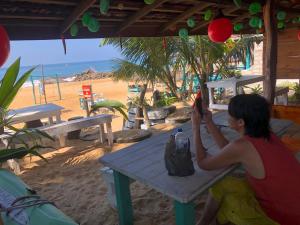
238,3
238,26
74,30
93,25
254,22
219,30
104,6
280,24
260,23
281,15
4,45
295,20
183,33
86,19
208,15
149,2
191,22
254,8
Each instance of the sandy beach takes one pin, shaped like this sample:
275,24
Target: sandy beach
72,177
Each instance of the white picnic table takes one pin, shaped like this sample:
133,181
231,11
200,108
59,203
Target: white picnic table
233,83
36,112
144,162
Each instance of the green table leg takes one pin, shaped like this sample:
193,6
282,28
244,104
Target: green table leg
185,213
123,199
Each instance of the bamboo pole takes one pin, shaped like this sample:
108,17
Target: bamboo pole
58,87
33,90
43,83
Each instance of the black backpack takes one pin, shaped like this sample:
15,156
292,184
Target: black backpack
178,162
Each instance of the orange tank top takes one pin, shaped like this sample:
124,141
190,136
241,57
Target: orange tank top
279,192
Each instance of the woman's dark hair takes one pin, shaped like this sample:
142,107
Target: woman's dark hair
254,110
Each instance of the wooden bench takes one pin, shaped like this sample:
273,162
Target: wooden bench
281,95
60,130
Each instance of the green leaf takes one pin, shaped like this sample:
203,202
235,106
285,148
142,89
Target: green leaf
9,80
13,91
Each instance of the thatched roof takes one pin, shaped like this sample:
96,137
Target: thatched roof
49,19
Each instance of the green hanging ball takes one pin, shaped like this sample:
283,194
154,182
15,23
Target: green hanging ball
183,33
191,22
74,30
260,23
86,19
208,15
295,20
254,22
149,2
254,8
238,3
238,27
93,25
281,15
280,25
104,6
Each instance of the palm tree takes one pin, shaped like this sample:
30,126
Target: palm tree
146,61
207,58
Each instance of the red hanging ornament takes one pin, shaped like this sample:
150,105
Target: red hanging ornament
299,35
219,30
4,45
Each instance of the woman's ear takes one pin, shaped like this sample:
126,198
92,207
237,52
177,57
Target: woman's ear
241,123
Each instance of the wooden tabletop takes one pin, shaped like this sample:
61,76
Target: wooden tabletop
34,112
144,162
233,81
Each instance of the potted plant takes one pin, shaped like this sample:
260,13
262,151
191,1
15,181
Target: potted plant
9,87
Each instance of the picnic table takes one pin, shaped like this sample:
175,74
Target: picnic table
232,83
36,112
144,162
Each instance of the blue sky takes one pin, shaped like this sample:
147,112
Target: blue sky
51,51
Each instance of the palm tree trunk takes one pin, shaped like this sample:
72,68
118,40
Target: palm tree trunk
146,117
139,112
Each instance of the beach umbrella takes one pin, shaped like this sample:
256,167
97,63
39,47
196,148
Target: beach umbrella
4,45
219,30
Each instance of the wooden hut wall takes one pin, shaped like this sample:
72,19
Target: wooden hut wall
288,63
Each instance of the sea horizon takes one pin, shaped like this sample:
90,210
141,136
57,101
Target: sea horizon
68,69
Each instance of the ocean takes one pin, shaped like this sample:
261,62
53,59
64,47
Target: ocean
66,69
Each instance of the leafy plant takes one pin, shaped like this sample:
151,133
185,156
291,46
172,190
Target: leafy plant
112,105
18,136
166,101
10,84
256,90
296,89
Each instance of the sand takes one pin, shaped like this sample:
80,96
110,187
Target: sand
72,176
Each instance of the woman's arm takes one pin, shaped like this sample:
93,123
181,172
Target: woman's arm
231,153
214,130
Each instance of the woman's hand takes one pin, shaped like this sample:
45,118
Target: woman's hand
207,116
196,118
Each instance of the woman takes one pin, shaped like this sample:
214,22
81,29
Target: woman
270,194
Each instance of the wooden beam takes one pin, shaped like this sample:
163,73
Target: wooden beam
200,26
186,14
139,14
78,11
270,51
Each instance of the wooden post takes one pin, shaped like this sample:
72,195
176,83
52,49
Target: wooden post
33,90
58,87
44,88
270,51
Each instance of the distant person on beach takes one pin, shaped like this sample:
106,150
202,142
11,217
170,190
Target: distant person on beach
270,193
